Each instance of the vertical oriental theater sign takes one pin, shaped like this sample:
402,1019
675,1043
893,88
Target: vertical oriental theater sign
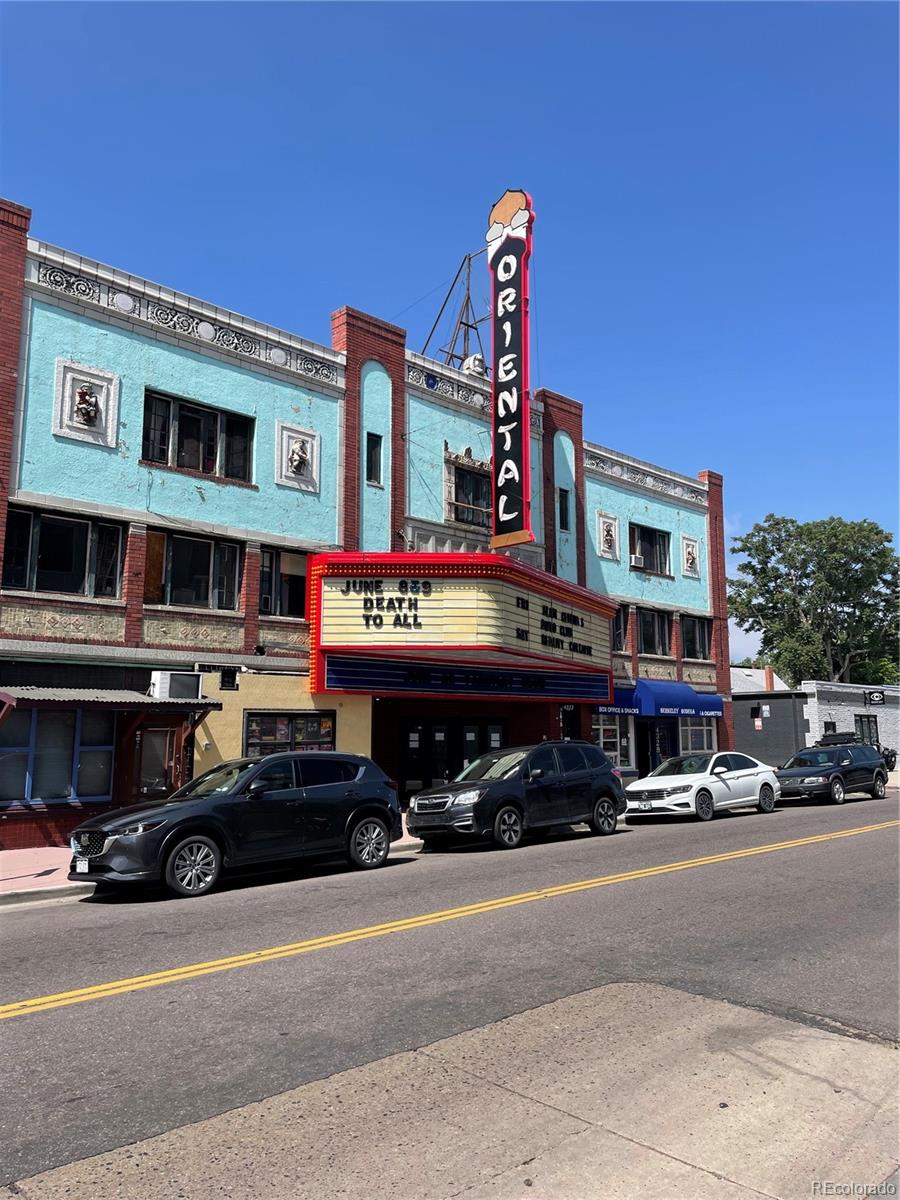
509,249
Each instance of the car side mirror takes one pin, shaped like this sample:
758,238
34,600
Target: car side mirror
257,787
536,773
719,770
845,762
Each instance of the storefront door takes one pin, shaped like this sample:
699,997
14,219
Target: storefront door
656,739
434,751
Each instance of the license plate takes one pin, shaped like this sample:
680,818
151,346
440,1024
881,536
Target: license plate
645,806
82,866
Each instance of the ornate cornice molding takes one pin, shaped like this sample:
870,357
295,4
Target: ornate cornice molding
634,473
144,304
437,382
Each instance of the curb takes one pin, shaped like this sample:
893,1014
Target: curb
46,893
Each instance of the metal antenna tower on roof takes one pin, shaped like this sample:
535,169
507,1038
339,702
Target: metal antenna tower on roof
464,349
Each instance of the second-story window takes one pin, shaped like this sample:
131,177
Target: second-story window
695,637
191,572
654,631
649,549
195,438
562,499
49,553
373,458
472,497
620,628
282,583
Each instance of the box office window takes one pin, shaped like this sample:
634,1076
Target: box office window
654,632
282,583
272,733
191,572
56,755
612,733
178,433
696,637
471,497
47,553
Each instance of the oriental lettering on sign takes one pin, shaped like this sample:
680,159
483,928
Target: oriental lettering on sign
509,249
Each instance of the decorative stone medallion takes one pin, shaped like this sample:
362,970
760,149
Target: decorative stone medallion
296,457
607,535
690,557
86,406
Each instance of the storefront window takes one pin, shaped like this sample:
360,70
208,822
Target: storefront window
56,755
697,733
613,735
272,733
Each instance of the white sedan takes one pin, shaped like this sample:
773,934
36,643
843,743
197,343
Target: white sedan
701,785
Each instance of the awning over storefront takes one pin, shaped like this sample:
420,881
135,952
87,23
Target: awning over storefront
59,697
650,698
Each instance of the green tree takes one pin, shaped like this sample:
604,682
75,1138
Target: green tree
824,595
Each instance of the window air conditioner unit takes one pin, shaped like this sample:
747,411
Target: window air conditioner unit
175,685
637,560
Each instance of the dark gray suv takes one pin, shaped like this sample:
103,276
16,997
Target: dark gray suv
250,810
504,794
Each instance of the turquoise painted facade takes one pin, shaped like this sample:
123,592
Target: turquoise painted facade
428,426
375,417
58,466
615,576
564,477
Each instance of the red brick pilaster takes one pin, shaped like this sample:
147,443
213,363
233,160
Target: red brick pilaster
631,640
677,649
250,596
14,222
133,584
363,338
718,590
563,415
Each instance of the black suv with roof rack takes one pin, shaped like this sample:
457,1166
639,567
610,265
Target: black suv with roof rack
836,766
506,793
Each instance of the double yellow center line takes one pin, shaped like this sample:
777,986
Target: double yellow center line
136,983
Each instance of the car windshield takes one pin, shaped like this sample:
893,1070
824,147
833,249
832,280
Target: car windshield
223,778
684,764
813,758
492,766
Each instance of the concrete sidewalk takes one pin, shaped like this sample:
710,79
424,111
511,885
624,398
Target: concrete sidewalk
42,873
702,1099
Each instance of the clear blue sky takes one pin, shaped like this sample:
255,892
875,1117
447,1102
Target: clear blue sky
716,188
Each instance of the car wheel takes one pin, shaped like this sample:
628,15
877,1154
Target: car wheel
878,788
838,795
603,818
368,844
193,866
766,799
508,828
704,807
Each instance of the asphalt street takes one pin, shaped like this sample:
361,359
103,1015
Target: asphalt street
807,932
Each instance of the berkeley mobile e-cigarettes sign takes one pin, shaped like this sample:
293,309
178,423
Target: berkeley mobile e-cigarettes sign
508,250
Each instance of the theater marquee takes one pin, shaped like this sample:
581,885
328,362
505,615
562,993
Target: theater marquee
549,637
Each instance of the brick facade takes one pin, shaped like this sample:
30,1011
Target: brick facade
565,416
363,338
14,223
718,586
